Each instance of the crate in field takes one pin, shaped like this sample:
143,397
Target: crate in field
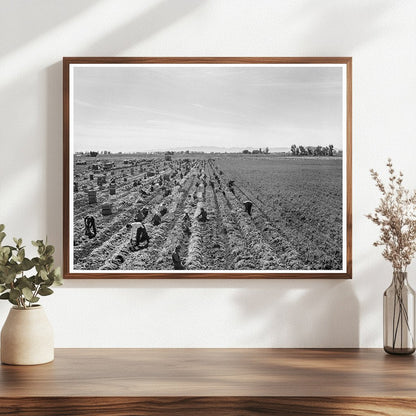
107,209
91,176
112,189
92,197
75,186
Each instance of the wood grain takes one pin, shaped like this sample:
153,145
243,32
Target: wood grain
67,61
207,406
212,381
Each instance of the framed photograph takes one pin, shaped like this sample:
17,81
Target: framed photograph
207,168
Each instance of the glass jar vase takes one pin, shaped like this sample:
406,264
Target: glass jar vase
399,316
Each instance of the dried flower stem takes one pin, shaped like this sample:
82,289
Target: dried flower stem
396,217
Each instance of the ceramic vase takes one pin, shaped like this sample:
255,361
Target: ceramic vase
27,337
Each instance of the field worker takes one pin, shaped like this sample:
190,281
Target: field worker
202,216
186,223
176,259
138,234
163,209
156,220
139,217
90,229
145,211
247,207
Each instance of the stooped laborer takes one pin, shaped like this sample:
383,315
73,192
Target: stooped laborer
202,216
90,228
138,234
176,259
163,209
186,224
139,217
248,205
156,219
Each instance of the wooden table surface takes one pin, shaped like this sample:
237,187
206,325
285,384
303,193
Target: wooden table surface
212,381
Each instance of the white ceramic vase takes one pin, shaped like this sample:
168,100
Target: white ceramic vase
27,337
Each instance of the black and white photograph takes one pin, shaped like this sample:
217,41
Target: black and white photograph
183,168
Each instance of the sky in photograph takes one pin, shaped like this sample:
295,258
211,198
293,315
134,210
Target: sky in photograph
149,108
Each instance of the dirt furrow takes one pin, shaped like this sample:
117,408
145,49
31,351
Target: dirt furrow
145,259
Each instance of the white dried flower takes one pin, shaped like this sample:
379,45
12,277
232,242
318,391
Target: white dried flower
396,217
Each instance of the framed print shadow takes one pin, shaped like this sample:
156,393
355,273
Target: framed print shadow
207,168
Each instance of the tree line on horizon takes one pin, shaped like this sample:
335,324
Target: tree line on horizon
313,150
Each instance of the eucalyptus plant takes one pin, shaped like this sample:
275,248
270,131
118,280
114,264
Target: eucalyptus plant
16,285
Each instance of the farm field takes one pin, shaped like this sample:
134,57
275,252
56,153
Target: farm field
296,221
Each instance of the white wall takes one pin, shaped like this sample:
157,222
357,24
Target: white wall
380,35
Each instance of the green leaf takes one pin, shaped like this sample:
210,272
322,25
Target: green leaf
37,243
45,291
26,264
58,281
5,295
49,250
2,227
15,293
8,276
24,282
21,255
27,293
2,288
2,236
13,302
43,274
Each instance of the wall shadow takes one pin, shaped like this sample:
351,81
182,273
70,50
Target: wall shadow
155,19
37,17
336,18
301,313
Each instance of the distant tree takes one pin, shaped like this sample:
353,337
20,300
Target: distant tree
260,151
93,154
331,150
246,152
310,150
266,150
293,149
297,151
303,151
255,152
317,151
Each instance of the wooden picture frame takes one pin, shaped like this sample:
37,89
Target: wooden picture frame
137,100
